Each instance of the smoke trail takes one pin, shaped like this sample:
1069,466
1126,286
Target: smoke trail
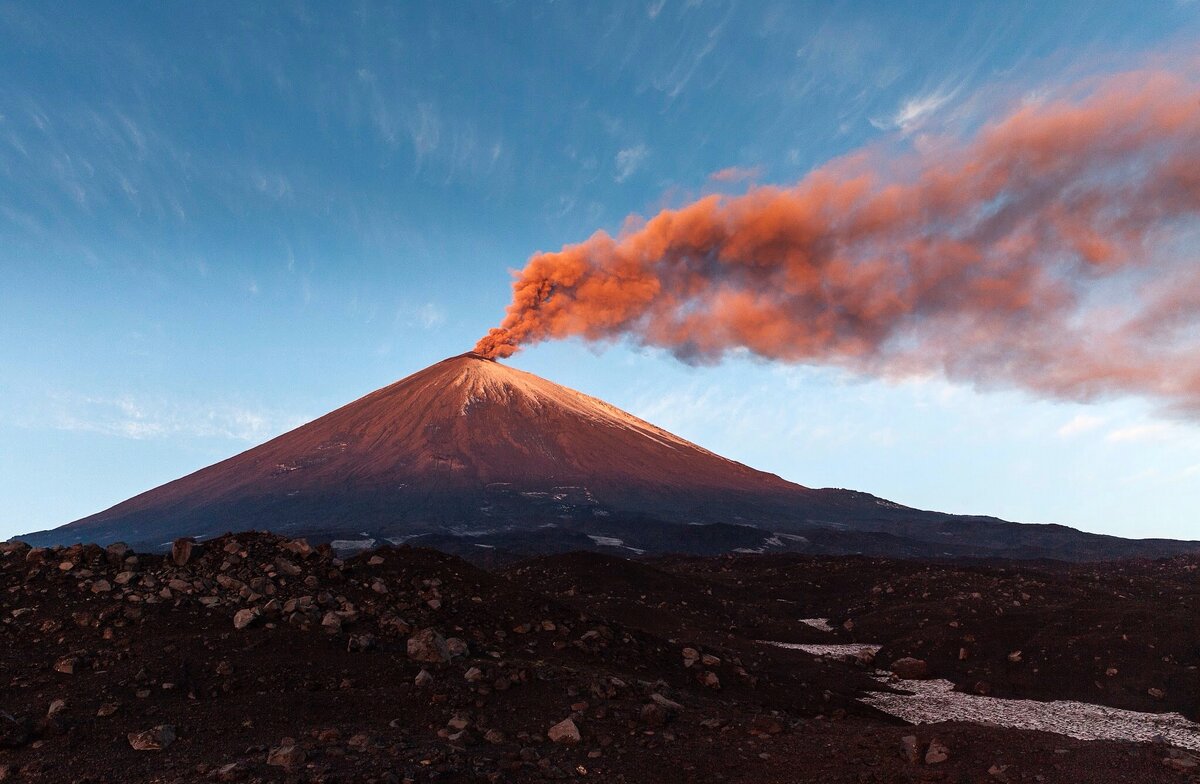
1049,252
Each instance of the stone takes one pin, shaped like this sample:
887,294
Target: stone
423,679
66,665
428,645
360,642
117,551
331,622
1181,764
182,550
244,618
910,669
286,755
101,586
565,732
234,771
14,732
473,674
654,714
690,656
155,739
936,753
910,751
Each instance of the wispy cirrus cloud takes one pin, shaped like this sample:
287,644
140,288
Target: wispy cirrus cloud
629,160
134,417
915,110
426,315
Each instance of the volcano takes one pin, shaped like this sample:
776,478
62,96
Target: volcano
470,448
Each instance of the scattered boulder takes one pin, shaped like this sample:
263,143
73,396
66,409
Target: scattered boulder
910,669
286,755
428,645
244,618
936,753
155,739
565,732
182,550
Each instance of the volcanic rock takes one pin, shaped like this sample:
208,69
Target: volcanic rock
565,732
155,739
910,669
428,645
286,755
937,752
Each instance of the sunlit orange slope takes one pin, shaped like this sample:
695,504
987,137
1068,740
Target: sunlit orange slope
467,442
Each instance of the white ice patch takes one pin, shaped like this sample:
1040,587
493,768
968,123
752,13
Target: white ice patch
611,541
935,700
817,623
351,545
850,651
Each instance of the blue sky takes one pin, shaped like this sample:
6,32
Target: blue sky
218,221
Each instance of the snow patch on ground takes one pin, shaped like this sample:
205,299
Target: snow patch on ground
612,541
351,545
932,701
849,651
817,623
935,700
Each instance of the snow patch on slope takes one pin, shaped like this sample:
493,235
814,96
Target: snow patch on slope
935,700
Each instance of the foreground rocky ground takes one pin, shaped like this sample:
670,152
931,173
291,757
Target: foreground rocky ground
256,658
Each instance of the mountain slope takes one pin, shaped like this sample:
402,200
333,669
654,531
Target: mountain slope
465,442
470,447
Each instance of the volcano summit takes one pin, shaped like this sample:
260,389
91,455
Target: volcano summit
470,448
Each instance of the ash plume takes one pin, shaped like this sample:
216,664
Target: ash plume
1054,250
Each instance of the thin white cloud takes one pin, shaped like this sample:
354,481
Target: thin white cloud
1080,423
630,160
915,110
136,418
1151,431
426,315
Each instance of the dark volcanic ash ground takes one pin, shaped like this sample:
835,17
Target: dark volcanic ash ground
252,657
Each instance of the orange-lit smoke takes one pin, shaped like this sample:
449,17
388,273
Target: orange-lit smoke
1055,250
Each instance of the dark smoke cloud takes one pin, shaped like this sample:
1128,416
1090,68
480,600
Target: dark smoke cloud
1055,250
